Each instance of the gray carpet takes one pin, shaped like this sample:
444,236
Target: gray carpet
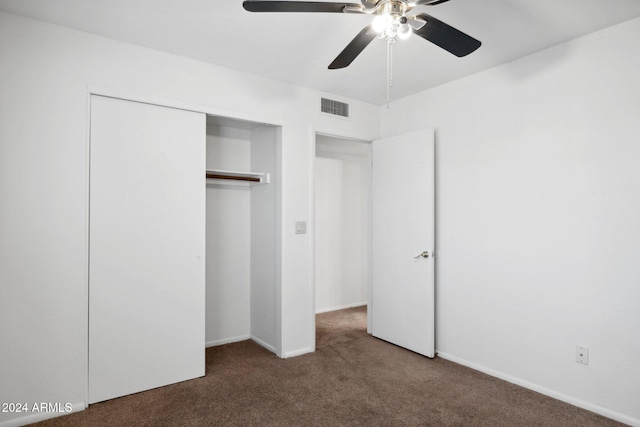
351,380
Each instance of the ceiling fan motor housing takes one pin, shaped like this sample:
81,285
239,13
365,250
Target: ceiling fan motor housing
392,8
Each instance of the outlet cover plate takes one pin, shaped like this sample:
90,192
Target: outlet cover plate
582,355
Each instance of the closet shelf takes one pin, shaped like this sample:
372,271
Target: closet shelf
218,176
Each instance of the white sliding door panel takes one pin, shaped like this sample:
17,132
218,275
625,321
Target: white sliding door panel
403,229
147,246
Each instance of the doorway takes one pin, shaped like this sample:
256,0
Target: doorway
342,223
399,244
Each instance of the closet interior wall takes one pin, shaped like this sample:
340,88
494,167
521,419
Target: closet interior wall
241,234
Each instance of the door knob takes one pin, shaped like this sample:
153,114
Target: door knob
424,254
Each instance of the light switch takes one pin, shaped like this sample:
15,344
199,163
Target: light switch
301,227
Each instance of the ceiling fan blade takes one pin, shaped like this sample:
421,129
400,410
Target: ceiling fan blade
445,36
354,48
426,2
300,6
370,4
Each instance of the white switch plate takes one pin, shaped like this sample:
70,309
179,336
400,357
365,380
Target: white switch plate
582,355
301,227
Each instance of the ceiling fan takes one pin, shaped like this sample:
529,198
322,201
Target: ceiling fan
392,21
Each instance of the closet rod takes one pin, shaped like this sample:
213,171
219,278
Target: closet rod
232,177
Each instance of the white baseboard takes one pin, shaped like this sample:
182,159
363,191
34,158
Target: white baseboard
543,390
261,343
226,341
342,307
238,339
298,352
34,417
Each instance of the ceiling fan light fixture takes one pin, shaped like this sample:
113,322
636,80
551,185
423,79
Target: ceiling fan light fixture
381,23
404,30
391,27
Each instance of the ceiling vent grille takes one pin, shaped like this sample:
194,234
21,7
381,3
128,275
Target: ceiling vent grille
336,108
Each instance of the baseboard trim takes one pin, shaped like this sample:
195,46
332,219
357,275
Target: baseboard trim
238,339
543,390
41,416
298,352
224,341
261,343
342,307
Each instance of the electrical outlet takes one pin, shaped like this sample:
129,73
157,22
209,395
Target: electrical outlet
582,355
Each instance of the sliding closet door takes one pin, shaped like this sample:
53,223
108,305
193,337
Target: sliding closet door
146,242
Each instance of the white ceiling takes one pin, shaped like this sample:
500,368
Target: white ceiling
298,47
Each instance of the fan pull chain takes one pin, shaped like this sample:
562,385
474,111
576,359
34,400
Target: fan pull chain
390,42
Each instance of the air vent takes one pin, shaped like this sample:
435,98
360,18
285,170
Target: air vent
336,108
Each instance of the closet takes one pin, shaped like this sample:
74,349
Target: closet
183,239
242,231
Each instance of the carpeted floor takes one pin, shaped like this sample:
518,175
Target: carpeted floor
351,380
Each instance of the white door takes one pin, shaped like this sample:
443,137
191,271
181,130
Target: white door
402,301
147,246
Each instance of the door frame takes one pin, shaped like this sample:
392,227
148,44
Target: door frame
127,95
368,139
362,139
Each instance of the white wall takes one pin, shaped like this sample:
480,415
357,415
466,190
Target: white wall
46,72
228,238
342,223
537,218
265,232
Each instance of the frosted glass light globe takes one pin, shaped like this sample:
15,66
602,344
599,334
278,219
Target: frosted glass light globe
380,23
